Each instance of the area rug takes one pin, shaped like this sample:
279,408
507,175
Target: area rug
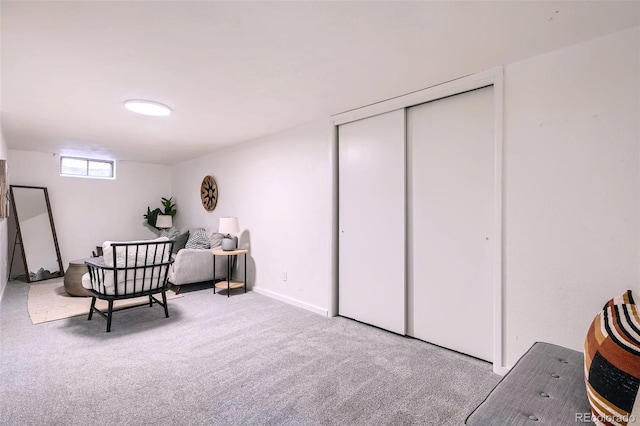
50,302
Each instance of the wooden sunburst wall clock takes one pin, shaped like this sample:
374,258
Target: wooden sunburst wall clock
209,193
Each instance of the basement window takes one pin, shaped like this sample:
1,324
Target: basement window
87,167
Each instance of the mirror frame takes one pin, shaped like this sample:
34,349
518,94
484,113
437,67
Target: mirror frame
60,272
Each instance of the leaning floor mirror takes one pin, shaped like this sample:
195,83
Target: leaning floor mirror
34,236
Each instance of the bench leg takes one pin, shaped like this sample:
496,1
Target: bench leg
164,302
150,301
93,304
109,313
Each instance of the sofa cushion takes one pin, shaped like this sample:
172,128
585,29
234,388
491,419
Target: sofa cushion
180,241
198,239
131,257
170,233
612,361
215,239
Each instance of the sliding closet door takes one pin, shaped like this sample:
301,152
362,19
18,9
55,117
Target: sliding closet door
450,222
372,220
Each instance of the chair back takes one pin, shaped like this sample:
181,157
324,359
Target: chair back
131,268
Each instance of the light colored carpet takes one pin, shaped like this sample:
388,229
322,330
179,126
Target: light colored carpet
50,302
218,361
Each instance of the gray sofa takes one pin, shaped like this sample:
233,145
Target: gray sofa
193,263
195,266
545,387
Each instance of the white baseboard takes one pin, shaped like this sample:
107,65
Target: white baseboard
291,301
500,370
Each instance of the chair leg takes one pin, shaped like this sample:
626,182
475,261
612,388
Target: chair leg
164,302
93,304
109,314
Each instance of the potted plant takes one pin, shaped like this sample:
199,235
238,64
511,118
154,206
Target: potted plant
169,208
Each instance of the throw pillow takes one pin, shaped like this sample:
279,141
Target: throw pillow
180,242
197,240
612,361
215,240
170,233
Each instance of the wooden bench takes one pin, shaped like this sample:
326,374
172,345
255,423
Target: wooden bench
128,270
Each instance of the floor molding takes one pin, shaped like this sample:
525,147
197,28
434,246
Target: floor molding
291,301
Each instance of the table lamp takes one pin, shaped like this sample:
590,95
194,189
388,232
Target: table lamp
228,226
164,221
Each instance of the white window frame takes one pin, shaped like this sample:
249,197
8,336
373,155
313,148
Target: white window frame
87,160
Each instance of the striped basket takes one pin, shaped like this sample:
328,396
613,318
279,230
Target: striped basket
612,362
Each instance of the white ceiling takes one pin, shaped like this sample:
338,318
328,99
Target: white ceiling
234,71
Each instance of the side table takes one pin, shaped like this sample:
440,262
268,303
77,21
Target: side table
230,283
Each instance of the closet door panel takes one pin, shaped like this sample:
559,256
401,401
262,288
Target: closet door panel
371,169
450,213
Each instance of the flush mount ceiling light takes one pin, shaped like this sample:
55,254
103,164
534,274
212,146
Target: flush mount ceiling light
147,107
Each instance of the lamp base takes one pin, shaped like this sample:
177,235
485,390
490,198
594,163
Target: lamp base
228,244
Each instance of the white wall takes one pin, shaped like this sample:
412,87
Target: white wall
87,212
572,191
280,188
571,195
4,233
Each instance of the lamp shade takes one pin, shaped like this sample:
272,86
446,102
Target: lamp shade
228,225
164,221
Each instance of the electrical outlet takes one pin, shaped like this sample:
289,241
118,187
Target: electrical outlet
284,276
